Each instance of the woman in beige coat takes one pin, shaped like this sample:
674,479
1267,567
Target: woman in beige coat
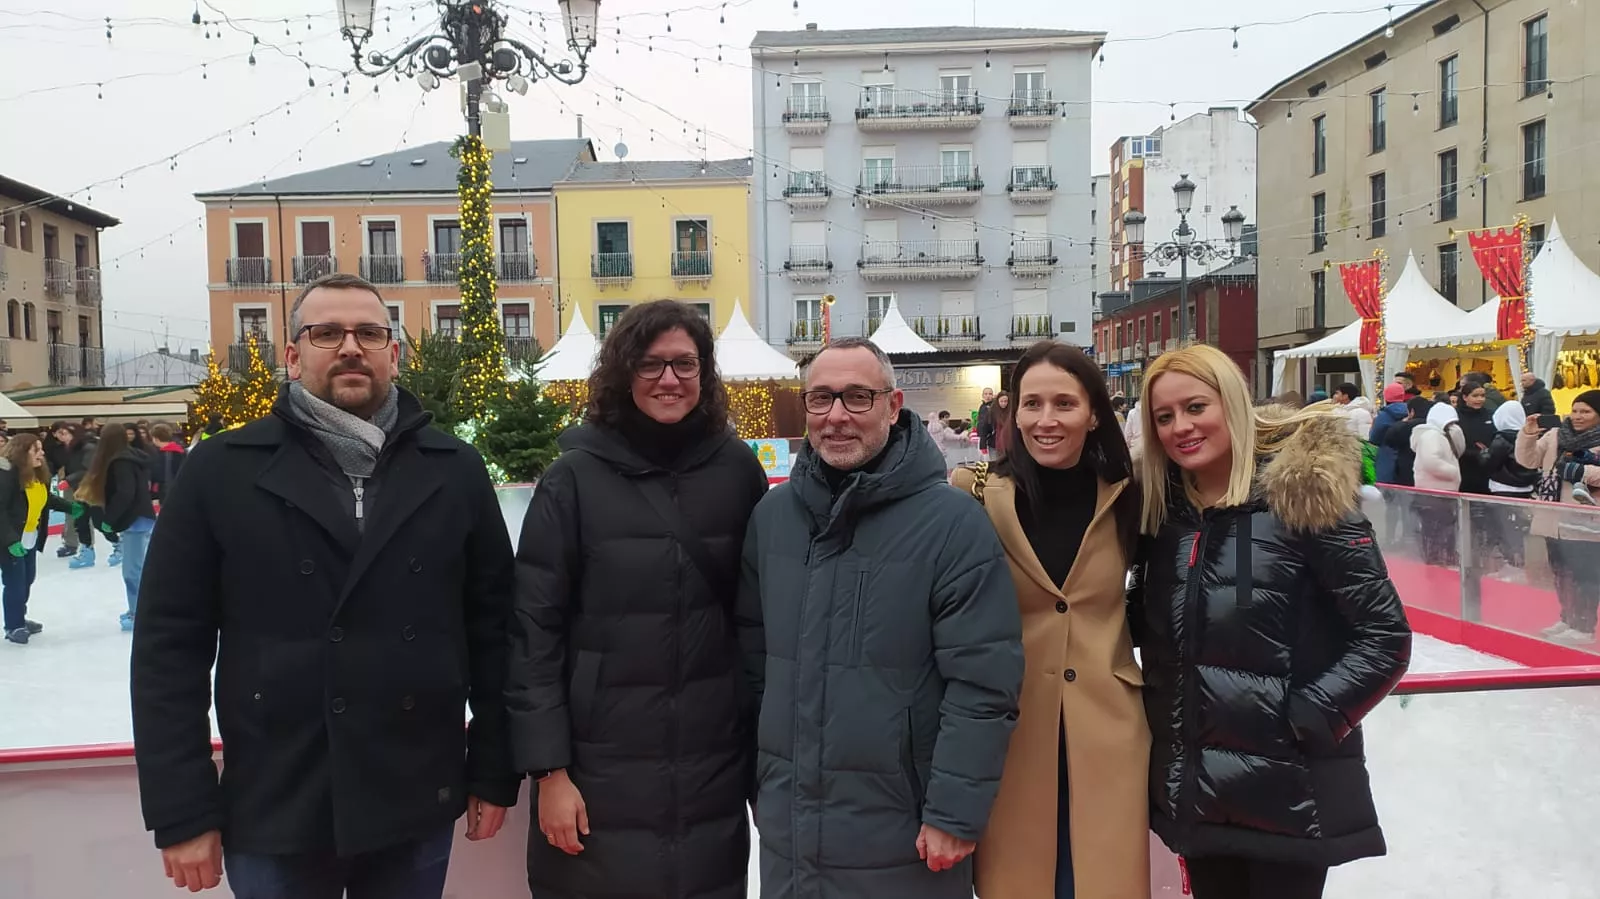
1566,455
1071,818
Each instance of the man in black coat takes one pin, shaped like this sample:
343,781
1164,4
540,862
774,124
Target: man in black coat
1536,398
356,567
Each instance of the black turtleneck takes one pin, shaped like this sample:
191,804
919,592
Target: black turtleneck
835,476
662,444
1056,521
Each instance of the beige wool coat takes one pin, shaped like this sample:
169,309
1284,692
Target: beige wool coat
1081,671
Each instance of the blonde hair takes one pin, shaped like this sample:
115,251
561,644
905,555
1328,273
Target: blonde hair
1252,431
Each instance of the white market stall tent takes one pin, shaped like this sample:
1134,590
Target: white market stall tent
1565,300
743,356
1344,342
894,336
573,356
1416,317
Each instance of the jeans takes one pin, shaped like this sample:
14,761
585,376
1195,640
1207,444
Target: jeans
1222,877
135,543
17,576
411,870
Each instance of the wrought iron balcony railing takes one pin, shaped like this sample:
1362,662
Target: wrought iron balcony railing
310,268
1026,179
808,262
806,330
886,108
691,265
808,111
239,355
518,267
611,266
249,271
921,179
947,328
1032,326
1029,106
58,280
88,285
920,259
382,269
442,268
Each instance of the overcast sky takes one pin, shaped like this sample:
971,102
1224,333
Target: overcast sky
178,106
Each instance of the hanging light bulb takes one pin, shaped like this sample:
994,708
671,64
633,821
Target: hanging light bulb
1415,106
722,18
1236,37
669,23
1388,31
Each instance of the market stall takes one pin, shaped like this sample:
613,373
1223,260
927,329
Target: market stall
1565,307
1344,342
1434,339
565,369
896,338
761,381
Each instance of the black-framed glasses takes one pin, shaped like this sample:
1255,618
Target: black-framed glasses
855,399
331,337
685,367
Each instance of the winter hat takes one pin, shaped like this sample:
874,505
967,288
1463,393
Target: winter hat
1590,398
1396,393
1511,417
1318,395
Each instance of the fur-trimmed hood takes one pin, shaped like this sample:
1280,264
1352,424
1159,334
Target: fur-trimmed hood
1314,479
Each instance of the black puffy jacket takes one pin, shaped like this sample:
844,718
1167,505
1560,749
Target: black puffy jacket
625,667
1268,631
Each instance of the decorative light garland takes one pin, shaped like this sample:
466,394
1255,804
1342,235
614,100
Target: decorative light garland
1525,350
750,404
1383,322
214,395
483,365
259,391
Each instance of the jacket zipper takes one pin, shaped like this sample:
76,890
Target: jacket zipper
672,708
359,486
1189,649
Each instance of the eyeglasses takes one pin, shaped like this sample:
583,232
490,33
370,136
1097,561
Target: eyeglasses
331,337
855,399
684,367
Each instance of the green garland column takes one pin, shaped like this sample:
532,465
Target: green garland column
483,367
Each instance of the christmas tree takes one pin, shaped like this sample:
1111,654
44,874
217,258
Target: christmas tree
483,363
519,435
216,395
260,387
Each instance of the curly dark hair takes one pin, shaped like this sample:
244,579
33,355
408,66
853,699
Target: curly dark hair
611,382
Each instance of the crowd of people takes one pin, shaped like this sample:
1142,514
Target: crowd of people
916,690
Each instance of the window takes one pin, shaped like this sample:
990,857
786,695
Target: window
1448,256
13,319
806,170
877,166
1535,56
956,86
80,251
1029,162
1379,184
516,321
446,237
955,165
1449,185
252,323
8,230
52,327
382,239
1028,85
395,321
30,321
704,309
607,315
1533,160
513,235
877,88
1319,222
692,235
1319,145
611,237
1535,240
1449,99
1319,299
383,264
805,98
1380,120
808,317
447,320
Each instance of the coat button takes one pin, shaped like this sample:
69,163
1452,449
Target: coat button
256,697
408,703
416,566
337,705
1070,675
1061,605
306,566
336,634
407,633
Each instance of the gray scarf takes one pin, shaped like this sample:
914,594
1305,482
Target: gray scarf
354,442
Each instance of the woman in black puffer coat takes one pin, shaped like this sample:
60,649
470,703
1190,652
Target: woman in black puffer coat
1269,629
625,689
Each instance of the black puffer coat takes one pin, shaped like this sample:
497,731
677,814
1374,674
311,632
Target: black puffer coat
1268,631
625,667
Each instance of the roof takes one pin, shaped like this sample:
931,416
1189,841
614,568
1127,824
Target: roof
1425,7
43,199
529,165
155,369
661,170
853,37
1239,268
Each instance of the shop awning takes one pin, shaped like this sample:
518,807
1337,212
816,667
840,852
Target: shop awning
743,356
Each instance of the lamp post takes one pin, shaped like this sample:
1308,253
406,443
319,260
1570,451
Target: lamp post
471,43
1183,247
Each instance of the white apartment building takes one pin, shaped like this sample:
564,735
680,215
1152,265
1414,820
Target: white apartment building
946,170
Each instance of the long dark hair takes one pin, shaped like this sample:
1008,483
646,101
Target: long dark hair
611,382
16,452
1105,450
113,440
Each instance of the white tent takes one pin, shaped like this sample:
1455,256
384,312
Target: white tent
895,336
572,358
1566,301
1344,342
16,416
1416,316
743,356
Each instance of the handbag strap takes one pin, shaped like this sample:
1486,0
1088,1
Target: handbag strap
980,477
656,494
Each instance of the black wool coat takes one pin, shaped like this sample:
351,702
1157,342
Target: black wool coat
1268,631
625,666
345,661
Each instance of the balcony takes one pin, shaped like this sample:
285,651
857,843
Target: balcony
806,331
383,269
808,262
1033,257
882,109
441,268
92,366
310,268
239,356
522,349
807,190
919,260
1307,319
923,185
806,115
5,355
1152,349
76,366
1030,326
513,267
3,273
249,271
1032,109
88,285
1031,184
58,281
947,329
691,267
611,269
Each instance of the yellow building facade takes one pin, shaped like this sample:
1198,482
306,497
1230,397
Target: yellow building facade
631,232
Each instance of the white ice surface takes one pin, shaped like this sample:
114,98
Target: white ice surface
1483,796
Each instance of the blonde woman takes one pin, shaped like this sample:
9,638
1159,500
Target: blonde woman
1269,628
1070,819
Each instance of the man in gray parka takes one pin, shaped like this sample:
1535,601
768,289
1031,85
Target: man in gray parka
883,645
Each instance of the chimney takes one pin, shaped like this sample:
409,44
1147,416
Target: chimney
811,26
194,355
580,125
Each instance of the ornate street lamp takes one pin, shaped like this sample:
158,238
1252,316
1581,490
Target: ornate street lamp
1183,247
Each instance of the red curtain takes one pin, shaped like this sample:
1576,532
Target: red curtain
1363,283
1499,256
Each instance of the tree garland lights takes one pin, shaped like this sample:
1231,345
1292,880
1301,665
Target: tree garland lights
259,391
483,365
750,404
216,395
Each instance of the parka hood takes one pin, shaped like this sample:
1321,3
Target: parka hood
1314,479
911,462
